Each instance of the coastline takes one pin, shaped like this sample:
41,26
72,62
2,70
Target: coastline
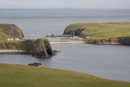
12,51
66,42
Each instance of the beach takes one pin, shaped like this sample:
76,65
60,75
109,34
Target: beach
12,51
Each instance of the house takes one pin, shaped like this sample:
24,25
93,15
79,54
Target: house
10,39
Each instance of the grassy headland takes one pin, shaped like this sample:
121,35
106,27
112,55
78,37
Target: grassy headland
28,76
10,31
102,30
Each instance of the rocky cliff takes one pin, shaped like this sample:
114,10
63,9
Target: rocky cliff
119,40
76,32
11,30
37,48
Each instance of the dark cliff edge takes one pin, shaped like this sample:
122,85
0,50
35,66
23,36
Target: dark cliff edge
112,41
38,48
77,32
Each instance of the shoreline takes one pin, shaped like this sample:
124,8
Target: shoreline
66,42
12,51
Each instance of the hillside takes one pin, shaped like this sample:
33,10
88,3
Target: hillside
29,76
10,31
99,30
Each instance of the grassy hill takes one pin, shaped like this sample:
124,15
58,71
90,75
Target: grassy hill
102,30
10,31
12,75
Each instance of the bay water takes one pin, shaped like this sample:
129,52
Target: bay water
106,61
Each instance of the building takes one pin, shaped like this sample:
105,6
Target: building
10,39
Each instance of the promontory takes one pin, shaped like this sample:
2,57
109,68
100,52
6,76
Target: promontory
101,33
11,38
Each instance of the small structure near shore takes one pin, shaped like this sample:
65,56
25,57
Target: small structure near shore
10,39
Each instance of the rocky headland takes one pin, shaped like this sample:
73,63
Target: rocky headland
101,33
36,47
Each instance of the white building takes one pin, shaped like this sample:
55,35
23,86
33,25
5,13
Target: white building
10,39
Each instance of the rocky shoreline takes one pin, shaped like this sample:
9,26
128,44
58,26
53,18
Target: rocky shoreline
36,47
110,41
41,48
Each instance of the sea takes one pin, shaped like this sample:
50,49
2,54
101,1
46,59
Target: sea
105,61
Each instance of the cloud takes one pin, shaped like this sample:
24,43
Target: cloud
65,4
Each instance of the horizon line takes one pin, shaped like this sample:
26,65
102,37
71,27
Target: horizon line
68,8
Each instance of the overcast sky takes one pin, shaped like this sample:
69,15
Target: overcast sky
103,4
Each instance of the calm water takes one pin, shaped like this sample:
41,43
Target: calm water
107,61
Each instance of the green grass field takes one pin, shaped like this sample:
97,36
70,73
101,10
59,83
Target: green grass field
106,30
12,75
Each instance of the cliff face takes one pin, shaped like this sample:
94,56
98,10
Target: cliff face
37,48
11,30
120,40
77,32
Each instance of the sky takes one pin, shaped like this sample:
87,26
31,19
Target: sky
98,4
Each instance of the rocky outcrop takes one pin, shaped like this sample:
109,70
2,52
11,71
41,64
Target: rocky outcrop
119,40
11,30
34,64
76,32
82,35
38,48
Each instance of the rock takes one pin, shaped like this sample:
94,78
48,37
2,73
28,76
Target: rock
34,64
42,48
53,35
77,32
55,51
12,30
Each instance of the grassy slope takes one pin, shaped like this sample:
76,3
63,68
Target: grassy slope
28,76
3,36
107,30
